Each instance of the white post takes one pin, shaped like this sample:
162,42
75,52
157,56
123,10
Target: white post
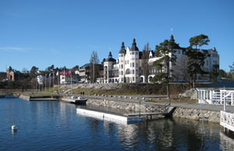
224,105
220,97
232,101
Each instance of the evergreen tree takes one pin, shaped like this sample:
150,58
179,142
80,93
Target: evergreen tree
33,71
214,73
195,57
166,55
232,71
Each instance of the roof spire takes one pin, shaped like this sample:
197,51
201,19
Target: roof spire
122,50
110,55
134,47
172,36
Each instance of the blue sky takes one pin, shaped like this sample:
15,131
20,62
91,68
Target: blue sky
65,32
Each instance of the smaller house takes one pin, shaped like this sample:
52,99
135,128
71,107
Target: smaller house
40,79
10,74
217,93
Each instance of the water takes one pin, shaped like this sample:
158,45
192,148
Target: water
57,126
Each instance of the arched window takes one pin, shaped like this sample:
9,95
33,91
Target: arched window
127,71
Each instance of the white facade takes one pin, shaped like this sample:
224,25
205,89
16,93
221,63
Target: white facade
127,68
40,79
110,66
129,63
62,79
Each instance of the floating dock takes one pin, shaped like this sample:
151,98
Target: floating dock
39,98
148,116
75,101
108,117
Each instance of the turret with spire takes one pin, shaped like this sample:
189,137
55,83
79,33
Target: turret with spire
122,50
134,47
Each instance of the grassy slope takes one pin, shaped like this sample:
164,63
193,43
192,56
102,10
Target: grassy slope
137,89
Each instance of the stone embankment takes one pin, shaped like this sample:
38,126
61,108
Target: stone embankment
188,113
197,114
125,105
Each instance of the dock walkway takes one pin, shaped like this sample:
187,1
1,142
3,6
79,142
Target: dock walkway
74,101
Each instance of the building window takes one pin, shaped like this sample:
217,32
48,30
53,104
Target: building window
214,55
132,64
132,71
215,62
133,79
128,71
136,53
121,72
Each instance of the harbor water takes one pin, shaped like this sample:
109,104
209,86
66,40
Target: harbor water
54,125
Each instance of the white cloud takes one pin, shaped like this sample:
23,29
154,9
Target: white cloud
14,49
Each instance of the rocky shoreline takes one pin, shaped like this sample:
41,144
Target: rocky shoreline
143,106
187,113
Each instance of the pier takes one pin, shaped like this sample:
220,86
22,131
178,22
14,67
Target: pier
148,116
108,116
39,98
75,101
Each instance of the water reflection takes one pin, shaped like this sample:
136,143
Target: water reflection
57,126
169,135
14,131
226,143
165,134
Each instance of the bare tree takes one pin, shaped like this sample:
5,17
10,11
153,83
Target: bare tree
145,60
180,69
94,62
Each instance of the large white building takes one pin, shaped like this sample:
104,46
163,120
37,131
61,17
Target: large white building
128,67
129,62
